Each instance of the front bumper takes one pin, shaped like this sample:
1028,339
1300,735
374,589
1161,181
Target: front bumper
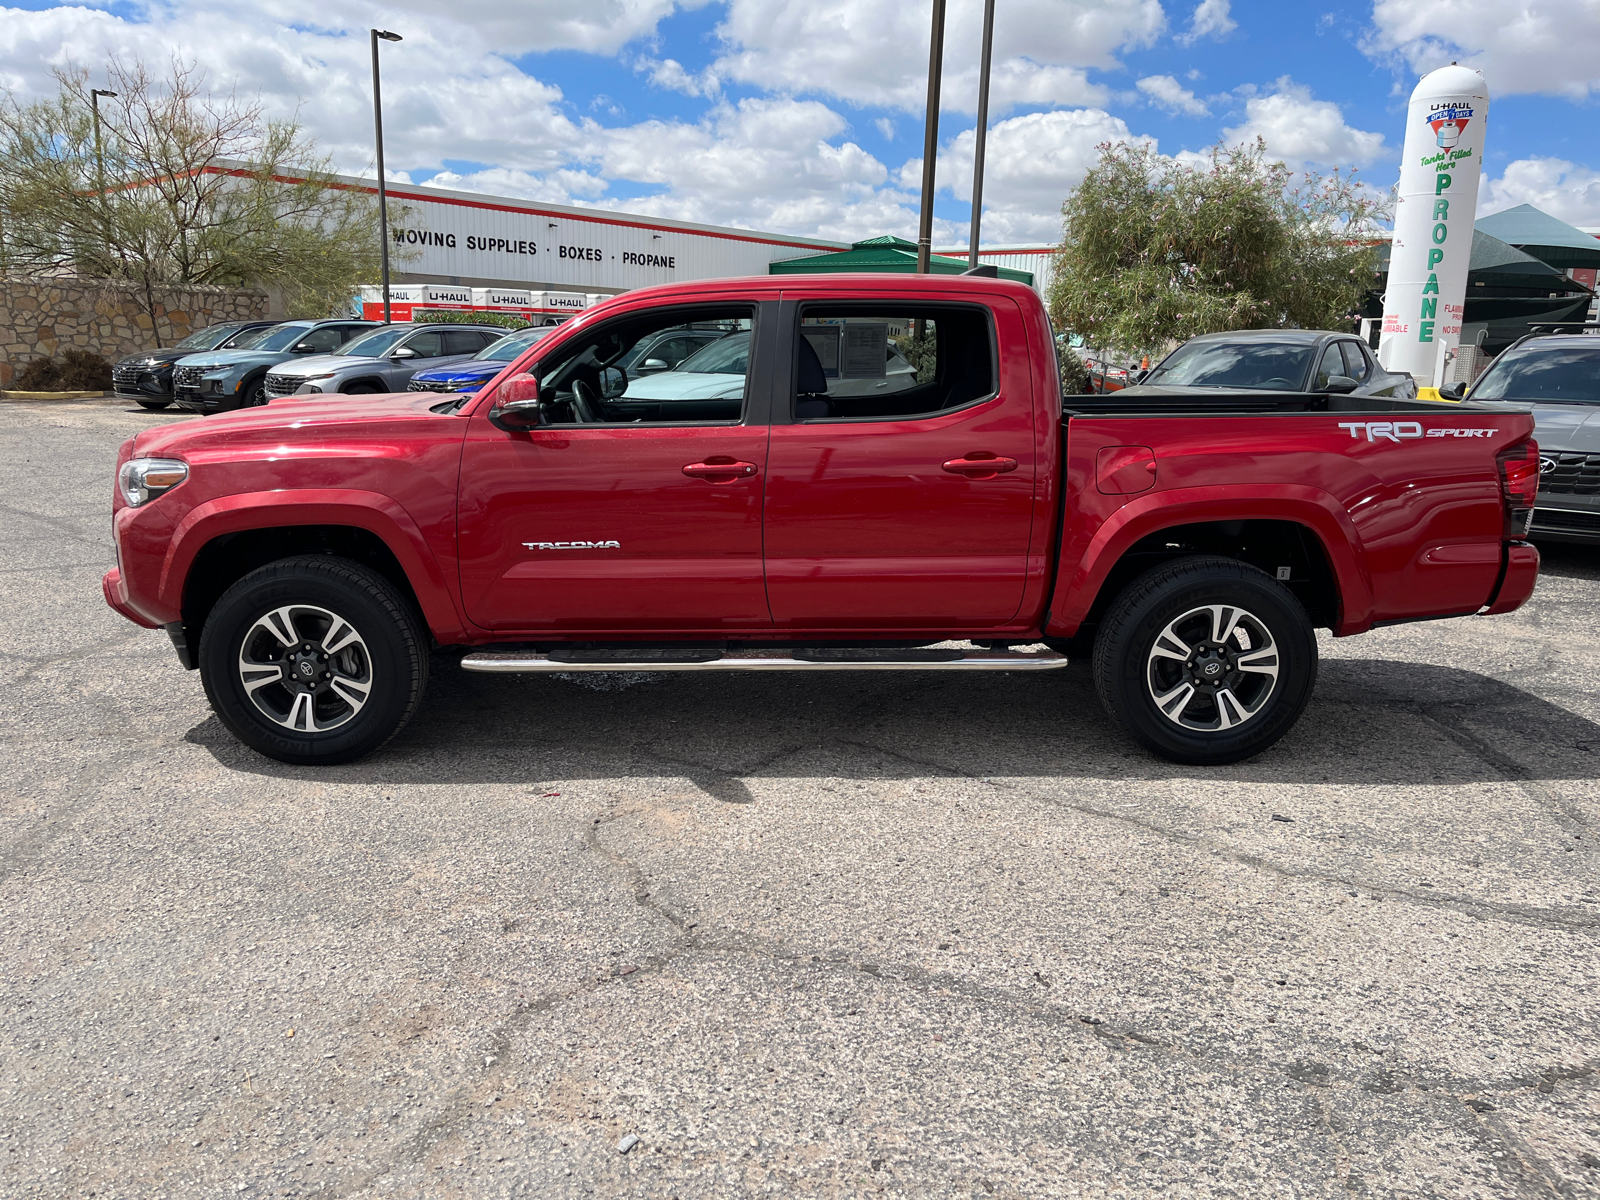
116,592
1566,517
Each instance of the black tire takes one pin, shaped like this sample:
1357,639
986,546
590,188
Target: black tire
154,405
363,389
1232,709
388,658
254,393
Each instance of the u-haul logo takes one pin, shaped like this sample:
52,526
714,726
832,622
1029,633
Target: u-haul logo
1395,431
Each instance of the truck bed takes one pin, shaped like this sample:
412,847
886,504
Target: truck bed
1251,403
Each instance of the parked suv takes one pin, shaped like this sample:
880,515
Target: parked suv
383,361
146,377
478,370
1274,360
236,378
1557,379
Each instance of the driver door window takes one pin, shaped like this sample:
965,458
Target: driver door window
601,379
1332,364
427,345
320,341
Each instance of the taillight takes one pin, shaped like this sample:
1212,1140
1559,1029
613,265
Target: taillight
1519,486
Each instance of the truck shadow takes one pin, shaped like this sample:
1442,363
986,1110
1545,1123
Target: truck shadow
1371,721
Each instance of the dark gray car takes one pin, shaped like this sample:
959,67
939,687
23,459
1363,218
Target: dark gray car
1557,379
382,361
1274,360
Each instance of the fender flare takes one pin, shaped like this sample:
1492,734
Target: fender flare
378,514
381,384
1318,511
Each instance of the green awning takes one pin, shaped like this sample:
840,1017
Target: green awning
1541,235
884,254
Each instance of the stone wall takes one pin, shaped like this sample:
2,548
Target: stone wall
39,318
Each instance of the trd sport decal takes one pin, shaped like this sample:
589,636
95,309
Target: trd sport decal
1394,431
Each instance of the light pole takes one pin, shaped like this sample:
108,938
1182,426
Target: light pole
930,138
100,158
383,191
983,133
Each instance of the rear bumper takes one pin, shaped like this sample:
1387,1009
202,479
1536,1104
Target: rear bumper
116,592
1518,581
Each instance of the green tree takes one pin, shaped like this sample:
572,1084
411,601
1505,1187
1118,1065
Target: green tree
183,187
1155,250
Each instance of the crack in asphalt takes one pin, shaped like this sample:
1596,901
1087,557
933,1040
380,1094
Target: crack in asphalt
1563,920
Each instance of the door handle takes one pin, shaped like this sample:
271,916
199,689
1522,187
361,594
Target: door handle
720,470
980,464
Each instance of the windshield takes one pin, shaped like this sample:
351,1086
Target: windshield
375,343
513,344
726,356
1564,375
207,339
1262,366
273,337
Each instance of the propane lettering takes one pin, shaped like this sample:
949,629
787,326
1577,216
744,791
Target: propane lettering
1439,173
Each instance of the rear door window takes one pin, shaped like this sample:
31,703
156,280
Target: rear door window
320,341
429,344
881,362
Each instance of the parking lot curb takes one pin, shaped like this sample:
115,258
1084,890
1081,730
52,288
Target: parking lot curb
35,397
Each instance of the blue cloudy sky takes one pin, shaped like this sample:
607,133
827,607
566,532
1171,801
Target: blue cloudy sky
805,116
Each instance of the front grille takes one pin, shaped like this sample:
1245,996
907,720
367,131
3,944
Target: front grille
1565,520
187,378
1570,474
281,385
126,380
418,386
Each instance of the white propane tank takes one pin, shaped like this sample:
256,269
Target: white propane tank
1433,220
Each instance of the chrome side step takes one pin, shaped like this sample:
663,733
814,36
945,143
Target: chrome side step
801,659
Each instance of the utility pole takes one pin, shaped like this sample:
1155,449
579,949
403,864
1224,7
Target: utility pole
100,162
383,191
930,138
983,133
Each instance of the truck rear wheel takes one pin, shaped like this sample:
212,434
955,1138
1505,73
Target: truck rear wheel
1205,660
313,659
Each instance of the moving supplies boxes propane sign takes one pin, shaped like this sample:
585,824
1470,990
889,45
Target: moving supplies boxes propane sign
1433,225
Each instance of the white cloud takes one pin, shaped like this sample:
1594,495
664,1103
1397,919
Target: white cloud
1031,163
1546,46
1301,130
1212,19
876,51
670,74
766,164
885,127
1168,94
1566,191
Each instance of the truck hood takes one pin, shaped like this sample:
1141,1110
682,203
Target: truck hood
211,360
685,385
151,359
288,426
463,372
1570,427
318,364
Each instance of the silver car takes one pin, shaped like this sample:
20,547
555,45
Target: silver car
382,361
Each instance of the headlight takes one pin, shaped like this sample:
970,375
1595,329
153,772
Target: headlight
323,375
143,479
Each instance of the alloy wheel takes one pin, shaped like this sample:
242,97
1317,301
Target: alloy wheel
305,668
1213,668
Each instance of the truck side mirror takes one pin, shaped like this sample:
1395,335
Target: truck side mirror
1453,391
1340,385
516,405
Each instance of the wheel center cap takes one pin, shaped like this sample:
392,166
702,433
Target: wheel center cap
1212,669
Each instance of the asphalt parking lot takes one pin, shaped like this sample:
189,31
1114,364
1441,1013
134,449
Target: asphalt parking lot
832,935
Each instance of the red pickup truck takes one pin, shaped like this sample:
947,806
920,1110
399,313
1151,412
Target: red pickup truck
853,474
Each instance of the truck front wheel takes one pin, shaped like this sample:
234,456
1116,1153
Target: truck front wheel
1205,660
313,659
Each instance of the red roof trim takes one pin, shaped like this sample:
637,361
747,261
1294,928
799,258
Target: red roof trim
540,212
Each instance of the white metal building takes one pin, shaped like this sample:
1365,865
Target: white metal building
1037,257
468,239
